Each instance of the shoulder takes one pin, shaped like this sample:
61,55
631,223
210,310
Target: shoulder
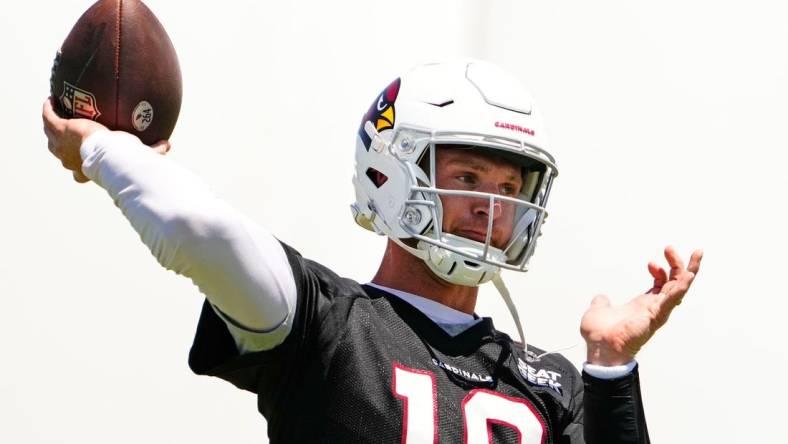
328,302
313,277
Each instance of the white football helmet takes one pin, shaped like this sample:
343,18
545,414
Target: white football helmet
468,103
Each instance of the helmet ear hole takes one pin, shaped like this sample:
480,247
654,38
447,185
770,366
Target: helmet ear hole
376,177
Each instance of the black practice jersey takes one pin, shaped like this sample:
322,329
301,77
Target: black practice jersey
361,365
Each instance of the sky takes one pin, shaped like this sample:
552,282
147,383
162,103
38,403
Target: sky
666,118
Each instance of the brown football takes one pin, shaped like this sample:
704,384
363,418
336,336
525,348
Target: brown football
118,66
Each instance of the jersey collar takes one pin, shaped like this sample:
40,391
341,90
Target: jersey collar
436,311
426,328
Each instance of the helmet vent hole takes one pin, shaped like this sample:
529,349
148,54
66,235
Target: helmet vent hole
451,270
376,177
442,104
471,264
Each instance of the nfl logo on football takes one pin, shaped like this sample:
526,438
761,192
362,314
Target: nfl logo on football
78,102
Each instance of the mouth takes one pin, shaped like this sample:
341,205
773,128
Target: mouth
478,236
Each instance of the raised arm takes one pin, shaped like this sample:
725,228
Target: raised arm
240,267
614,334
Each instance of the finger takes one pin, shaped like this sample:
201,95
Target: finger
683,287
694,263
45,113
80,177
659,274
600,301
51,142
162,147
674,260
675,290
48,133
50,117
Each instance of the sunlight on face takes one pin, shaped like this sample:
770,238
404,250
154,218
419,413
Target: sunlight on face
473,170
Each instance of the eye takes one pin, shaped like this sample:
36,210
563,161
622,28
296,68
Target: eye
509,189
468,179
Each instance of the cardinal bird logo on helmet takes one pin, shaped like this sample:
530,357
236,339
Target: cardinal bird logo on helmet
381,113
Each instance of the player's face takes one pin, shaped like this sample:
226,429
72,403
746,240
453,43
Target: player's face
471,170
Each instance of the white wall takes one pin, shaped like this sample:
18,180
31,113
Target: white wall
667,120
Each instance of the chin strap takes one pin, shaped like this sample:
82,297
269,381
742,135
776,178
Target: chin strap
504,292
507,298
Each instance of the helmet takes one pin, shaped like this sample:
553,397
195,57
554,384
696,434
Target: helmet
464,103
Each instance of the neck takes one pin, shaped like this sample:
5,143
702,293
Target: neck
403,271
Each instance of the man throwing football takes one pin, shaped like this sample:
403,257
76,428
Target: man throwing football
453,167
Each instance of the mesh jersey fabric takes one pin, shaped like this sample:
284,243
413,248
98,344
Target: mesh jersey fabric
334,378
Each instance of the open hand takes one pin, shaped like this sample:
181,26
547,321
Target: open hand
65,137
614,334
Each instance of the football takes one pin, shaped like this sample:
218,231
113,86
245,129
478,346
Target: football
118,67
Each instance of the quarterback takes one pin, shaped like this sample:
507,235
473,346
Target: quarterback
453,167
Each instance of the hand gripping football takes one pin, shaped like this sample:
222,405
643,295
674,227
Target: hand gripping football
118,67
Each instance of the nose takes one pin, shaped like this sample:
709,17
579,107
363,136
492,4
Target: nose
482,207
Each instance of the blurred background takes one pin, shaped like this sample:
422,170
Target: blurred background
667,120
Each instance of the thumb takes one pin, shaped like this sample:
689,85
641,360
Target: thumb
80,177
600,301
162,147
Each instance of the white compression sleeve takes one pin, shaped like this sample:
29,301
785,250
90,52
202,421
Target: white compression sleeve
613,372
240,267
